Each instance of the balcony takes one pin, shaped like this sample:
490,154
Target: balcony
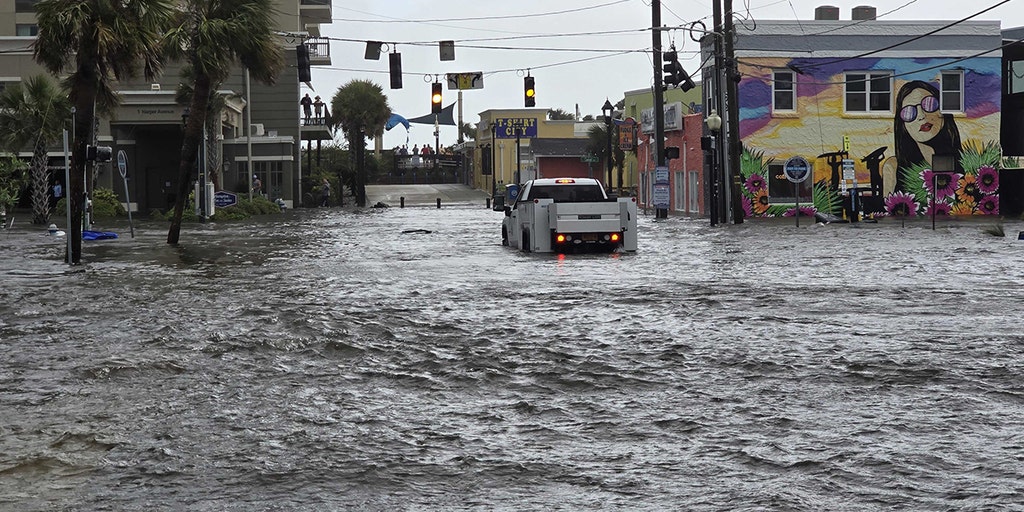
315,129
319,51
315,11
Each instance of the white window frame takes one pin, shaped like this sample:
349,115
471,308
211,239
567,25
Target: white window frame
867,77
776,91
945,106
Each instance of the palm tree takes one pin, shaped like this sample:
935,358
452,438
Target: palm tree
211,36
12,178
98,42
597,144
360,108
34,114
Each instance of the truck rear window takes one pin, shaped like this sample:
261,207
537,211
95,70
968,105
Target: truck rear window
567,193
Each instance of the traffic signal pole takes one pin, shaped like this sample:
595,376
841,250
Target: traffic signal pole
733,115
659,97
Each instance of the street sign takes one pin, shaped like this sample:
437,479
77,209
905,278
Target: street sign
223,199
122,163
661,175
849,172
512,127
797,169
589,159
464,81
661,196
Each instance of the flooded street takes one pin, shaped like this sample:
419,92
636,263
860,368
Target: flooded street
328,360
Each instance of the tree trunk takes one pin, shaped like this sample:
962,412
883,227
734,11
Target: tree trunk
189,151
40,185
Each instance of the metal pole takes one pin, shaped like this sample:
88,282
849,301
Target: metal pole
518,162
67,180
659,102
248,136
608,156
716,99
494,135
733,119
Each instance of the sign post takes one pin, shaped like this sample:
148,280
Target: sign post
797,169
662,193
122,167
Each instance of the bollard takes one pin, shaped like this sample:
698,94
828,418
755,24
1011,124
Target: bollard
488,203
401,202
439,203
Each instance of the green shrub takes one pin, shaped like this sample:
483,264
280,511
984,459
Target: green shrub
105,205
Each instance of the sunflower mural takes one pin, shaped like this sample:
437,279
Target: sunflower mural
971,190
754,169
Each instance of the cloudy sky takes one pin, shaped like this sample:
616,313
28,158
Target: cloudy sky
579,51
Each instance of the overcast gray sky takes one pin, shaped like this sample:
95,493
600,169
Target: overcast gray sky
578,51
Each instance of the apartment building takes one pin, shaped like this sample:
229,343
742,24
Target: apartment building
260,131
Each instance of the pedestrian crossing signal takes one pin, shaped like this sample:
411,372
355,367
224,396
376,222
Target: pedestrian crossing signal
529,94
435,98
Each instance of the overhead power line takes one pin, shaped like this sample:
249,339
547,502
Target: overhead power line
476,18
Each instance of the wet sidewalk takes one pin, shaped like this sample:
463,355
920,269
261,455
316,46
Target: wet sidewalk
421,195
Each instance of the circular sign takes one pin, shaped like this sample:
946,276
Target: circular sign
122,162
797,169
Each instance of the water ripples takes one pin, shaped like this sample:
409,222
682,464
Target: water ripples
334,360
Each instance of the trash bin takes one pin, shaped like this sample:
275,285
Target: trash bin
499,203
511,193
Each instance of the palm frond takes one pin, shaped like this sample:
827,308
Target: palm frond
975,155
825,199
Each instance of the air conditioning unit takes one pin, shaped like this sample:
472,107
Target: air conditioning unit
257,130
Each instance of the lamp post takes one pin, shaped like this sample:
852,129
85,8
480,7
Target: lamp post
607,109
714,122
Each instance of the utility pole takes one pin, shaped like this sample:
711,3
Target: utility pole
659,96
717,210
733,114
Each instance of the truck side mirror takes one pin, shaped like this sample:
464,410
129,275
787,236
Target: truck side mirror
508,211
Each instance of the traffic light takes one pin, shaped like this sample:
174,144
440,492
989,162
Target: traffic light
435,98
675,74
98,154
395,62
529,94
302,62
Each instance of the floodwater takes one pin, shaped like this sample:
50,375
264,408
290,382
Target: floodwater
325,360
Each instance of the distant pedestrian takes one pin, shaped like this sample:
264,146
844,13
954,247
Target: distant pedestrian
306,103
58,192
318,108
325,193
257,186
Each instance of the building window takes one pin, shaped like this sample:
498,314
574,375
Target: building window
869,92
952,93
781,190
25,5
26,30
783,92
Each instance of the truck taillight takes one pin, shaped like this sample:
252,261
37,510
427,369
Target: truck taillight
615,237
560,238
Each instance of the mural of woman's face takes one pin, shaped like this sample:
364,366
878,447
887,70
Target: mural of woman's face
920,115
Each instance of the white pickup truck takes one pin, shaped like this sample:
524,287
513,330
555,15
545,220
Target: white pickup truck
569,215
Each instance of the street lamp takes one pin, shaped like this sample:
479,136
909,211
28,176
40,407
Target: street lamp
607,109
714,122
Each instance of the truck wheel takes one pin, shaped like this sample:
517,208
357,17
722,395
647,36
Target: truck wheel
504,237
526,242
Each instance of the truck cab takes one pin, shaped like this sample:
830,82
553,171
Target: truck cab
569,215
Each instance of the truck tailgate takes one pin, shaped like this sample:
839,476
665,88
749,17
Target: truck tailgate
602,217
